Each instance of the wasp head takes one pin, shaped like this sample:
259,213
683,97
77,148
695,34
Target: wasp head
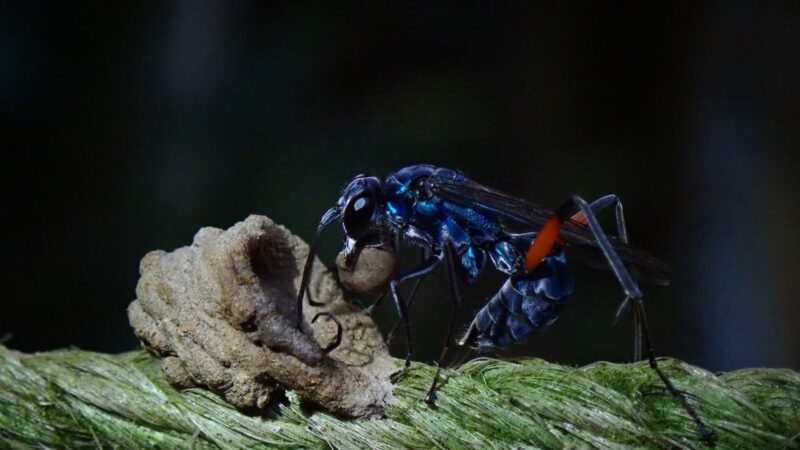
359,205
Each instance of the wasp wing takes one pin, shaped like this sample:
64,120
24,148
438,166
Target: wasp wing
466,192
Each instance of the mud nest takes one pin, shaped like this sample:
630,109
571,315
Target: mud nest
221,311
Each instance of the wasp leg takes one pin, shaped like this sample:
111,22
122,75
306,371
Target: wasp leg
425,255
338,340
634,294
402,310
624,277
396,326
328,218
601,204
622,233
368,310
452,282
638,310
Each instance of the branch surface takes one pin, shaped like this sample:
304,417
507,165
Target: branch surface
228,368
80,399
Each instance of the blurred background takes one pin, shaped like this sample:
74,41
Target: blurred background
127,128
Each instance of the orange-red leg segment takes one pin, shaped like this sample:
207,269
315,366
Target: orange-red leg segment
547,237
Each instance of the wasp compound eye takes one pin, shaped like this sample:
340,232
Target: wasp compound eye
358,214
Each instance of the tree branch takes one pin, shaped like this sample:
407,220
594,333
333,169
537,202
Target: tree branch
80,399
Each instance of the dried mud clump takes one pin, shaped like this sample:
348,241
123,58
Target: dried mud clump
220,313
371,273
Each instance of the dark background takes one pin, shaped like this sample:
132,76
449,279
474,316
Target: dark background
127,128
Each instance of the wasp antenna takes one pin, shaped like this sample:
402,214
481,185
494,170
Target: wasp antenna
330,215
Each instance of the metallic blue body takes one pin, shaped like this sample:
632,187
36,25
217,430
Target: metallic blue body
526,301
458,222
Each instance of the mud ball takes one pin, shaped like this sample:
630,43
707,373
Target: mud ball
371,273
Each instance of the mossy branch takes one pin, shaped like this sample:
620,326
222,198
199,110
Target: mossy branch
80,399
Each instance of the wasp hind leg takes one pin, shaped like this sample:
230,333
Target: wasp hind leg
622,233
633,296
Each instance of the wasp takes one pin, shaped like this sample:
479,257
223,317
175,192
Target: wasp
465,226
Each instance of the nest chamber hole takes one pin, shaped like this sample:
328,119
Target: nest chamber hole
274,264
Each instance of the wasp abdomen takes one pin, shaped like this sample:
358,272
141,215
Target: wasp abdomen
524,303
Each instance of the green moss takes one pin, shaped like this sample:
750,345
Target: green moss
80,399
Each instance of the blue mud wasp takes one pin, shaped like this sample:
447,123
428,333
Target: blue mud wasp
462,224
